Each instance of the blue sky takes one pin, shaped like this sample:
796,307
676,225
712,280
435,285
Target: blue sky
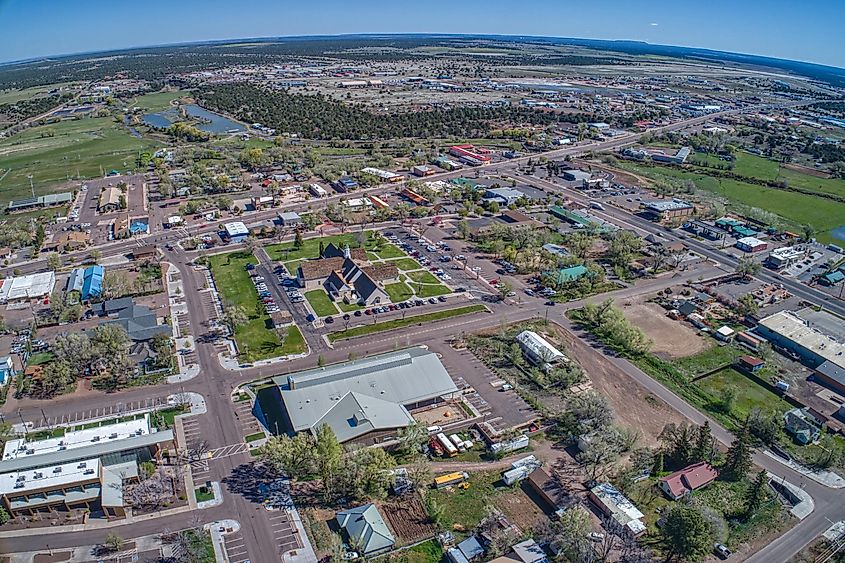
808,30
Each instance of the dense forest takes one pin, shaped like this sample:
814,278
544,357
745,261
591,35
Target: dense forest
319,117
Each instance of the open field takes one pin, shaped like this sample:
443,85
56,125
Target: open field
157,101
672,339
795,208
430,290
408,518
14,96
256,339
84,148
749,395
407,321
423,277
406,264
398,292
310,248
425,552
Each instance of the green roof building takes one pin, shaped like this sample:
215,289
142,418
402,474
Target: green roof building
569,274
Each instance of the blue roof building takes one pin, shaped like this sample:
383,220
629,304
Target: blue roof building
569,274
92,284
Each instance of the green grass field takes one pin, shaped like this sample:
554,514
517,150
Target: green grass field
749,395
387,250
425,552
256,339
795,208
157,101
310,247
406,264
14,96
321,303
407,321
398,291
430,290
294,342
83,148
422,276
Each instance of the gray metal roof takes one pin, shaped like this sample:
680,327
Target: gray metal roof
403,377
366,528
356,414
94,450
833,371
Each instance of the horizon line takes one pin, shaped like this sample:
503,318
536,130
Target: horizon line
268,39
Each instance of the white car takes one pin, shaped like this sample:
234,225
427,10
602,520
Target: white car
476,268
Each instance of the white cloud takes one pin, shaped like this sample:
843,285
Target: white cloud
654,24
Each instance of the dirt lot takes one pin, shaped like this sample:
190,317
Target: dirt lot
672,339
408,519
521,510
439,415
633,406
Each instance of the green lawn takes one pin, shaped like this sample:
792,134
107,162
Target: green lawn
83,148
254,437
14,96
467,507
348,307
749,395
423,276
398,292
795,208
320,302
294,342
406,264
310,248
407,321
430,290
40,358
712,358
387,250
256,339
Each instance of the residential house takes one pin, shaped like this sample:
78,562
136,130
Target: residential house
802,426
70,241
139,322
527,551
750,364
366,530
614,504
681,483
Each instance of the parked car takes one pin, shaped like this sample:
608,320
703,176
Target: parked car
328,320
310,318
721,550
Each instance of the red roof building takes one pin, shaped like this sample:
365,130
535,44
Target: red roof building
681,483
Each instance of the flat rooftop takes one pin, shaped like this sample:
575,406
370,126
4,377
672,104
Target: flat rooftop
50,477
808,332
21,448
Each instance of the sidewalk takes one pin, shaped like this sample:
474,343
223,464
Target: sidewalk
826,478
805,505
184,343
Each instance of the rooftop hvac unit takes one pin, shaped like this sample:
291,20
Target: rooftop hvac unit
81,465
88,472
95,439
19,485
62,448
38,475
57,469
21,478
113,436
30,451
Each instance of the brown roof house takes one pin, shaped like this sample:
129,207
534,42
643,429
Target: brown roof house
681,483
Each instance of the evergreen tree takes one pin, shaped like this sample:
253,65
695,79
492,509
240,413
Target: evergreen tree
756,494
704,444
738,458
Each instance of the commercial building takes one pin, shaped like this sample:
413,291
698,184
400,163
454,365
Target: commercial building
537,349
548,489
92,281
751,244
49,200
7,369
679,157
384,175
832,278
365,529
659,210
568,274
236,231
362,400
470,154
31,286
446,163
705,230
289,218
681,483
813,345
80,469
344,184
414,197
422,170
785,256
110,200
576,176
505,196
318,191
615,505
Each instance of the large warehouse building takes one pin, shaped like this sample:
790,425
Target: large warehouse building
32,286
362,400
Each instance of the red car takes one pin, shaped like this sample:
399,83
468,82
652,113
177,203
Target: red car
494,281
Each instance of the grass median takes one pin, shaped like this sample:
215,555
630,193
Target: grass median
407,321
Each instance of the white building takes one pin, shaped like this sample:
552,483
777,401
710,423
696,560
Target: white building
236,231
385,175
31,286
317,190
537,349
